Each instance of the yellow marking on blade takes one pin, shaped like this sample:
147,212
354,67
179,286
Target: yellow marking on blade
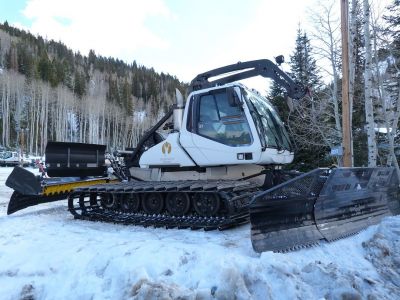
69,186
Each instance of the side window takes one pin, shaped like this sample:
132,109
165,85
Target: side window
222,122
208,109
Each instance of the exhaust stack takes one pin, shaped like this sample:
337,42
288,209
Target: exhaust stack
178,111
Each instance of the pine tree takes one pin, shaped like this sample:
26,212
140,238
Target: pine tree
12,58
68,74
303,71
303,65
79,84
45,67
276,96
311,148
92,57
393,21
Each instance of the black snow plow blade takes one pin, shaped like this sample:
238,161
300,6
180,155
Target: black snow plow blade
322,204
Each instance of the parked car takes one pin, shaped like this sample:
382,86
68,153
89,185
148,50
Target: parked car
12,158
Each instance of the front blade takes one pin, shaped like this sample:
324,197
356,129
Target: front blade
322,204
283,217
354,198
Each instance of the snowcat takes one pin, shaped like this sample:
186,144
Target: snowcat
218,166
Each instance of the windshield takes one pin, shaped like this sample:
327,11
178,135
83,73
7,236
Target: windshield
270,127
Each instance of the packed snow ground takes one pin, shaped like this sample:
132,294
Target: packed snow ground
46,254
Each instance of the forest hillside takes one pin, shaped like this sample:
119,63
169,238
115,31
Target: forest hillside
48,92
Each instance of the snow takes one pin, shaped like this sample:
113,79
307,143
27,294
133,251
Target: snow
46,254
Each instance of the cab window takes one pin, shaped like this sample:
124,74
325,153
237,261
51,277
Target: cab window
222,121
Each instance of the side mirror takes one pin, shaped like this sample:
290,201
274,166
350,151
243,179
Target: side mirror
233,98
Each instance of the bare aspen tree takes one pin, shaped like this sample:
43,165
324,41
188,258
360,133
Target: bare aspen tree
388,88
391,110
5,108
327,47
369,109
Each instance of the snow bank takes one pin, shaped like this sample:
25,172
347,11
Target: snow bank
46,254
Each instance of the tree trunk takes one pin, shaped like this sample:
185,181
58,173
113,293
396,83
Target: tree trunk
369,110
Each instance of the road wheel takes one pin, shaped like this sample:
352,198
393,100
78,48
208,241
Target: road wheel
108,200
129,203
153,203
206,204
178,204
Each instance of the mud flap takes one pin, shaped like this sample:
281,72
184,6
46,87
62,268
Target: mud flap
75,159
322,204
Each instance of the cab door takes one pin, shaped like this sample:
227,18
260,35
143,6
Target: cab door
220,134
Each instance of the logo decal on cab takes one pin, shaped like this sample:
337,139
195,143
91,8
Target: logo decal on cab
166,148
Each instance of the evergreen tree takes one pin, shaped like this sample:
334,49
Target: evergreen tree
393,21
303,66
67,75
310,149
45,68
79,84
58,72
12,58
126,97
276,96
276,90
26,62
303,71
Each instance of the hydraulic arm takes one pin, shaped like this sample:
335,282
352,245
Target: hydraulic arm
248,69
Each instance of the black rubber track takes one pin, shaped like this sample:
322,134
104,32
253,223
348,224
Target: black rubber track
234,196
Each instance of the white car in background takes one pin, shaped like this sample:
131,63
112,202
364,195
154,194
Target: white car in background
12,158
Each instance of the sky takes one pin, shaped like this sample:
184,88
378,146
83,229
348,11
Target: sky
179,37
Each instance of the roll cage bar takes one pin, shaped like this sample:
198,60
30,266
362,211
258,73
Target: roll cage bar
248,69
